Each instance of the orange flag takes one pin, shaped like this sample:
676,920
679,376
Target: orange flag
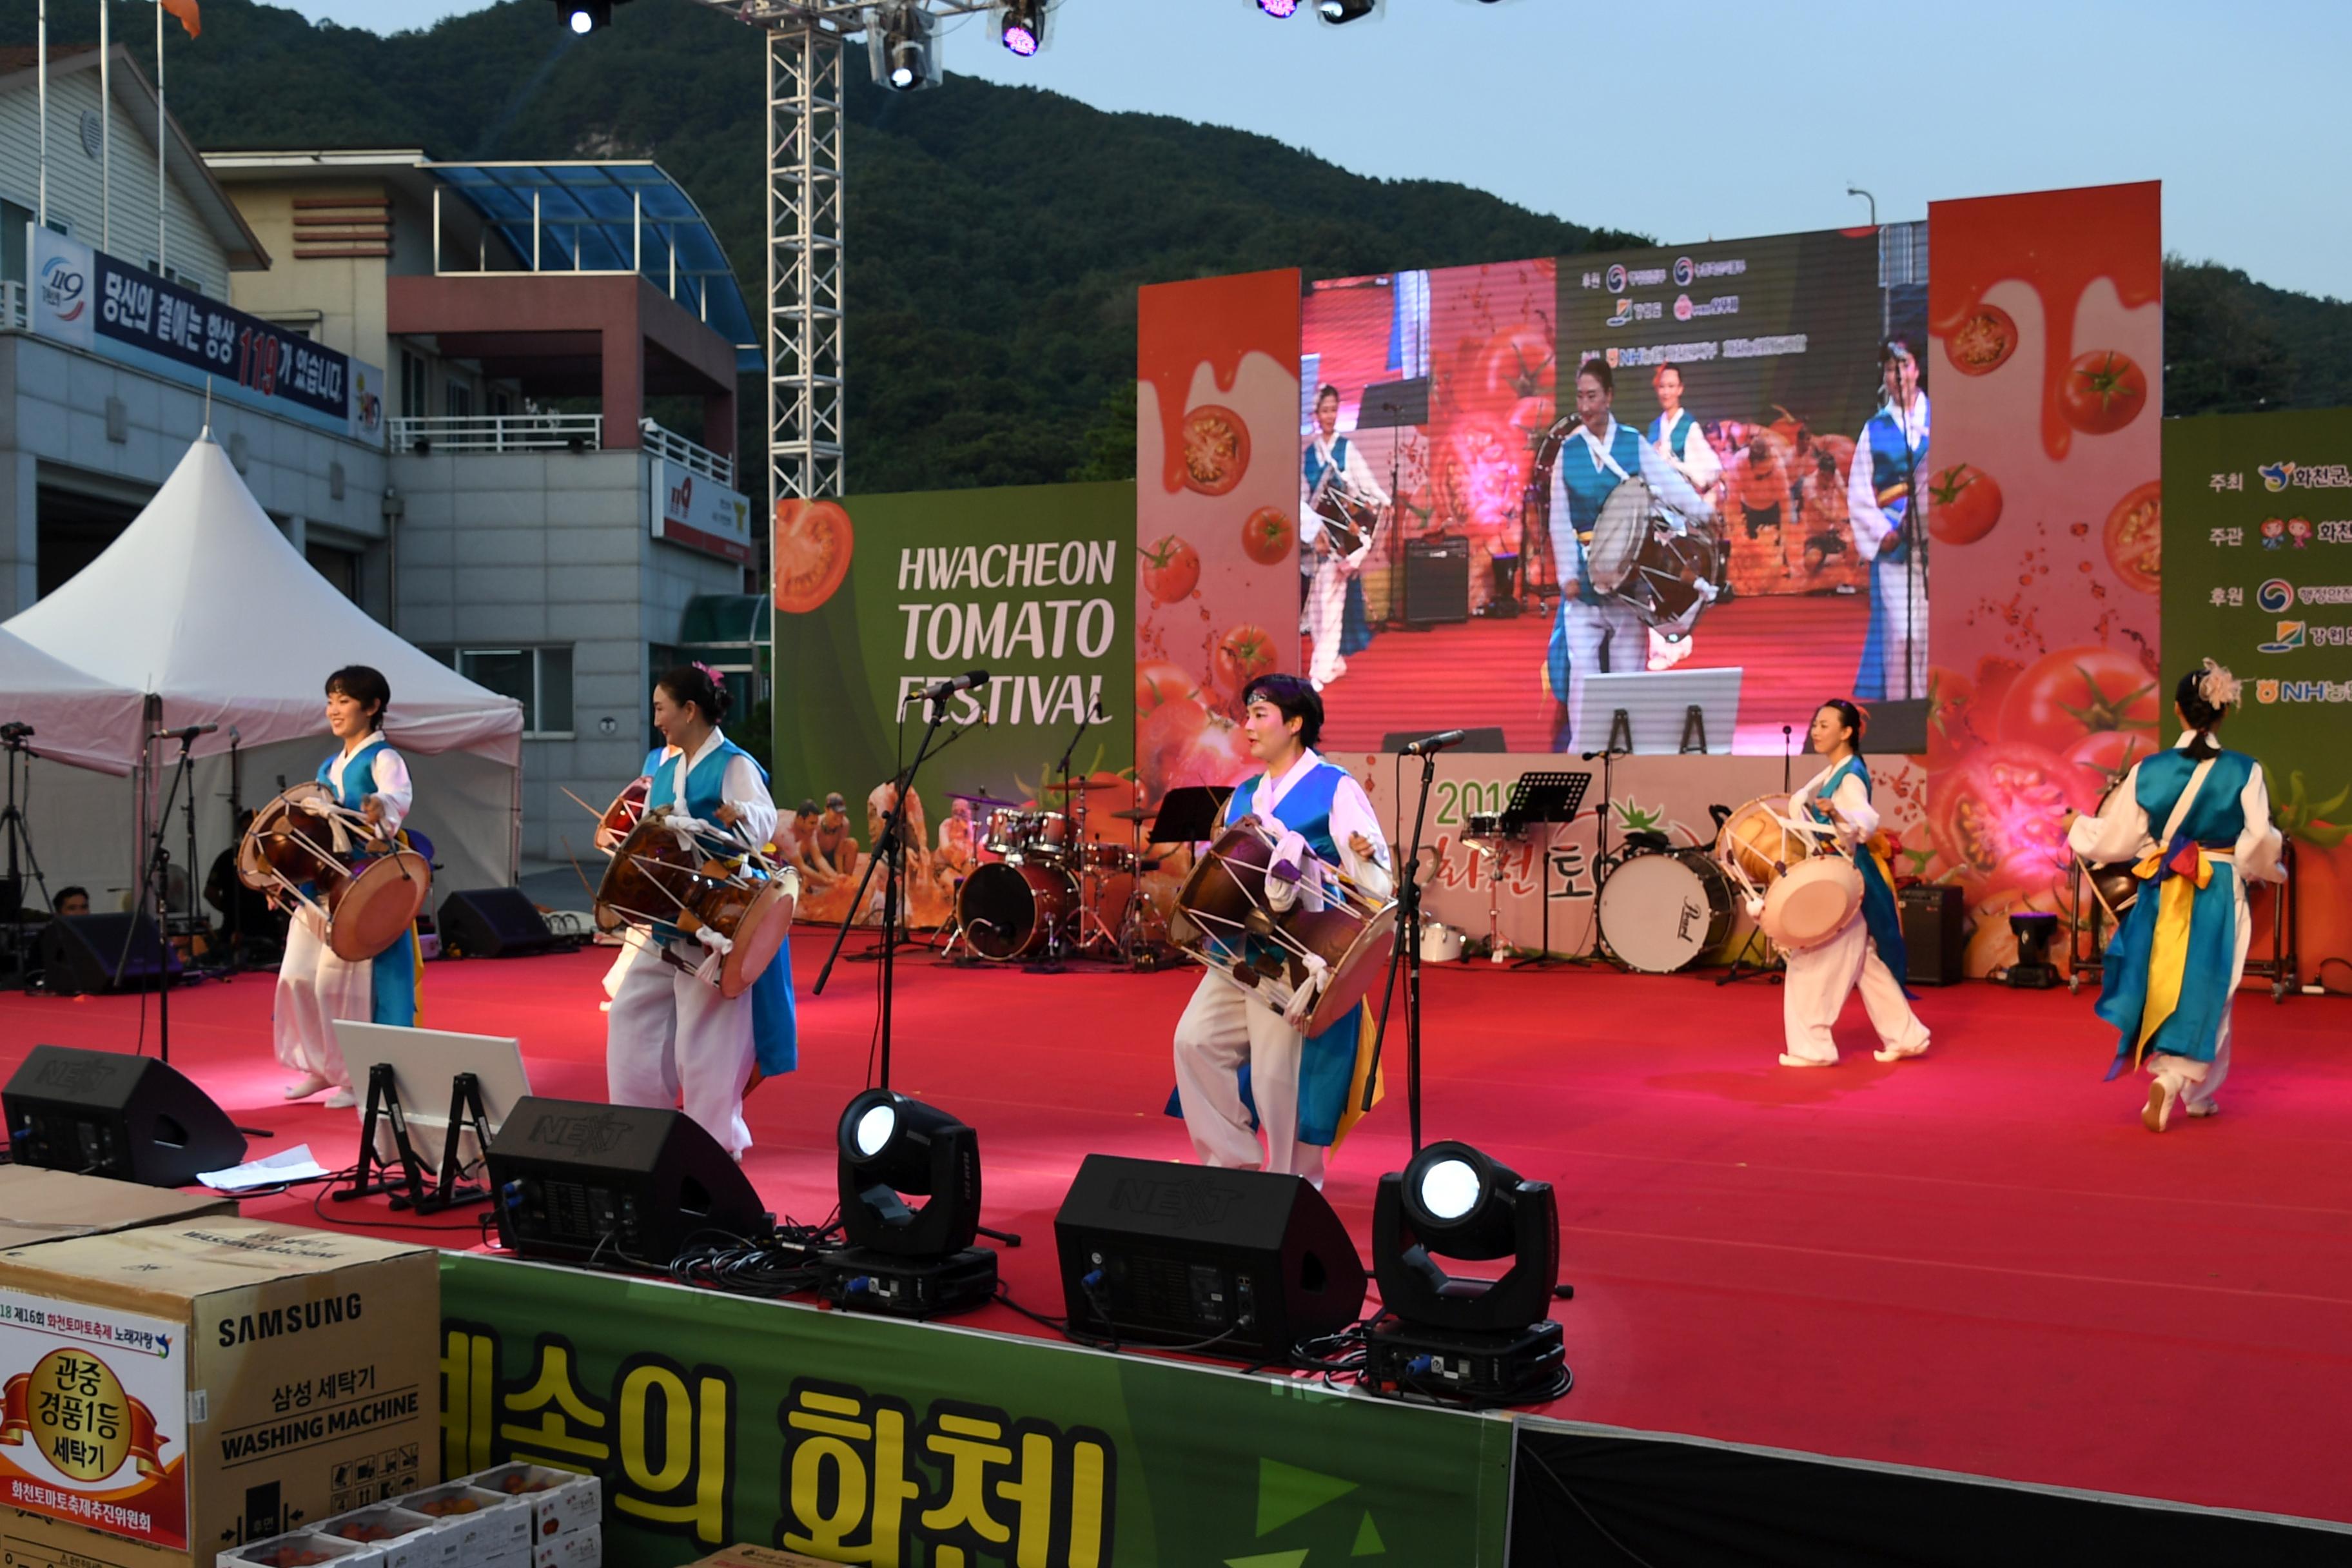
185,10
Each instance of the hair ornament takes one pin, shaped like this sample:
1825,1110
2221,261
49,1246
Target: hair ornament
714,675
2218,687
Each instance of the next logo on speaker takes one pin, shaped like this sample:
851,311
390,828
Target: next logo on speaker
79,1073
1187,1201
581,1134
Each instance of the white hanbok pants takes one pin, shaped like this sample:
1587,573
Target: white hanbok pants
2194,1081
1902,588
1820,979
1589,628
670,1037
314,989
1327,615
1221,1030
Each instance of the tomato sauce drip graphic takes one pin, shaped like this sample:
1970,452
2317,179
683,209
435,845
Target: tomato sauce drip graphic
2038,240
1216,321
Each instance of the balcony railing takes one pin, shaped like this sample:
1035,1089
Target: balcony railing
664,442
499,433
12,306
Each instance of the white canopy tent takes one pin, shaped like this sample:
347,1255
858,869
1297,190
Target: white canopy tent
77,719
204,606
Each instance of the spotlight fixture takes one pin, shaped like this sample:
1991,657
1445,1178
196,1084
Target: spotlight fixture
1021,26
915,1262
584,16
2035,933
900,50
1280,10
1338,11
1458,1336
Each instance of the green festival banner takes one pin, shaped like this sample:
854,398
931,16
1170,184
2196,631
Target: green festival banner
878,596
714,1419
2258,575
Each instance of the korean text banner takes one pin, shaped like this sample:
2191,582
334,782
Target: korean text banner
90,300
715,1419
2258,576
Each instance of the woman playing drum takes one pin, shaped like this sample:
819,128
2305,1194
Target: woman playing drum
1868,952
670,1034
2198,821
315,987
1297,1086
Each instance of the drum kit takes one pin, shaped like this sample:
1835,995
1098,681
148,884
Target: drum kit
305,847
670,880
1045,889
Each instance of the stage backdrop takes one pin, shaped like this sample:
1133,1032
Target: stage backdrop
2046,526
1031,583
2258,545
715,1419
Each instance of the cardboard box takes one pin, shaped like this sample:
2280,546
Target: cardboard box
571,1549
54,1206
297,1548
489,1526
760,1557
404,1540
560,1500
191,1387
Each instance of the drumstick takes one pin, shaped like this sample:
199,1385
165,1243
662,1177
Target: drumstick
575,860
584,805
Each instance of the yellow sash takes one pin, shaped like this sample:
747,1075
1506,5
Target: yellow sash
1353,1111
2167,953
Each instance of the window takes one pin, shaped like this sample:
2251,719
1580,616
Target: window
340,567
458,400
537,678
171,274
412,385
500,404
13,219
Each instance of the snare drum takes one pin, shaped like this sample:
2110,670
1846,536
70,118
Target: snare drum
1660,910
1011,909
307,848
653,881
1225,921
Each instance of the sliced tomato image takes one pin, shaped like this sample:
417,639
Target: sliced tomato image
2133,537
1983,343
813,539
1216,449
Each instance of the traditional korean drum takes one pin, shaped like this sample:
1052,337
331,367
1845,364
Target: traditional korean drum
656,881
1225,921
307,848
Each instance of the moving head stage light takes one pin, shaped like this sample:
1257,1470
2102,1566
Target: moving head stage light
915,1262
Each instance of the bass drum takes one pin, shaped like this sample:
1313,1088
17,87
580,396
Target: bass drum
1662,910
1011,910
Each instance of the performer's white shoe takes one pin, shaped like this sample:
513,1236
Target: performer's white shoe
1898,1053
1788,1061
2158,1109
305,1087
342,1099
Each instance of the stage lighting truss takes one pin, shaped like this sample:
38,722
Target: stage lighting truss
1021,26
901,47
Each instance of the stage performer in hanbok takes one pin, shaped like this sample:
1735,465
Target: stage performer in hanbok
1596,633
1886,484
634,944
670,1036
2197,821
1677,437
1867,951
1332,462
315,987
1241,1068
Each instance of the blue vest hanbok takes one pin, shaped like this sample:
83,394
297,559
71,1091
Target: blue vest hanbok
1588,485
775,1028
1355,622
1878,908
2207,966
1894,467
395,972
1675,441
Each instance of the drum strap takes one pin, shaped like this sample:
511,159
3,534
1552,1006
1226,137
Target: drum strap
1607,460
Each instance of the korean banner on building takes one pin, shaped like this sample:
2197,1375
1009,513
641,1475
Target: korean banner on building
715,1419
93,1418
696,511
2258,575
93,302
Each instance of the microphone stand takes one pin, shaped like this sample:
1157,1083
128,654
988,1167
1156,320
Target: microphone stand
1788,754
1073,807
159,877
1915,555
893,844
1407,952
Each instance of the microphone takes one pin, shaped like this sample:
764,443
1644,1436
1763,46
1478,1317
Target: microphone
1436,742
949,688
185,732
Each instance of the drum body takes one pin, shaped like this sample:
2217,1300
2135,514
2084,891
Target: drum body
655,880
1811,903
1225,920
1634,555
2114,885
622,815
1662,910
1045,836
366,901
1010,911
1757,844
367,911
290,841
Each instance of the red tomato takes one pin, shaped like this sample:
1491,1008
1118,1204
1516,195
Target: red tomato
1951,699
2105,391
1963,504
1243,655
1515,363
1999,817
1160,681
2134,538
1180,744
2105,756
1216,449
1983,343
2068,694
1171,569
813,541
1482,472
1531,416
1267,535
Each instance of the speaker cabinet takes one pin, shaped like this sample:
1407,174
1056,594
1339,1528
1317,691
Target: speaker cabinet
94,955
105,1114
1436,581
576,1181
1153,1251
1932,937
494,922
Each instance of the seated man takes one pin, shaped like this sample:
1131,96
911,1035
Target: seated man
70,901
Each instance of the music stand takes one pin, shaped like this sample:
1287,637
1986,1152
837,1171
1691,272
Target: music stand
1546,798
1398,405
401,1140
1190,815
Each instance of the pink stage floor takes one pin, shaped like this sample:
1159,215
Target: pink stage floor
1979,1261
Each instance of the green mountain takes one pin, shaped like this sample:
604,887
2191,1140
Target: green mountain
997,235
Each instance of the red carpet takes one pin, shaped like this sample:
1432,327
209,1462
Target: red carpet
1793,652
1979,1261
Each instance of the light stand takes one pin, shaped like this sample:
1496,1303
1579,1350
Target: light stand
1608,754
14,826
159,877
1406,953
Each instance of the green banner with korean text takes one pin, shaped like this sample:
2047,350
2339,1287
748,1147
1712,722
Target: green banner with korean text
2258,575
716,1419
879,596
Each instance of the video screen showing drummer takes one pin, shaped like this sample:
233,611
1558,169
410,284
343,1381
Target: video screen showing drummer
1334,483
1297,1090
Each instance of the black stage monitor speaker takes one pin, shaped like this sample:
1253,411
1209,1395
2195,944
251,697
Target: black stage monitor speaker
105,1114
1436,581
92,955
1932,938
576,1180
494,922
1251,1261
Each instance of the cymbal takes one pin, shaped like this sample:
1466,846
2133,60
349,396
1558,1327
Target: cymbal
1080,786
987,800
1135,815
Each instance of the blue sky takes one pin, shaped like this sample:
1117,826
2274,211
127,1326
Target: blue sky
1709,118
